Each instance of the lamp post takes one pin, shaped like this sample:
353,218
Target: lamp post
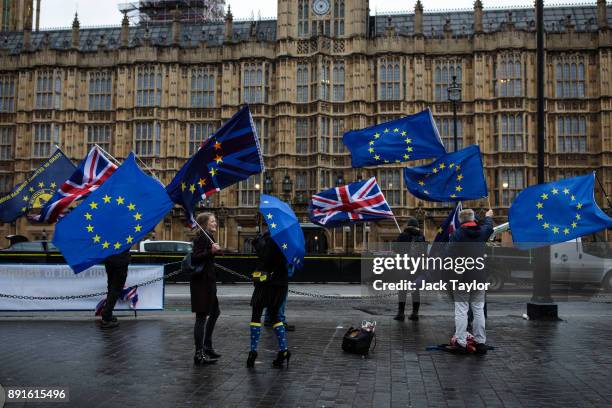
239,229
287,187
268,185
454,96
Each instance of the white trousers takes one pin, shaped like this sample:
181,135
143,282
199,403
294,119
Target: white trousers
462,305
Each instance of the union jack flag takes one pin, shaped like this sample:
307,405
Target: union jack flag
129,294
357,202
450,225
91,173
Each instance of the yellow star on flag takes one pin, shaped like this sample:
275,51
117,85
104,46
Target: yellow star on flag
273,225
376,135
129,239
25,198
105,245
117,245
137,216
23,209
106,199
555,191
578,216
377,157
386,130
31,189
409,149
406,157
574,224
219,159
566,190
579,206
435,170
371,143
53,185
137,228
285,246
573,197
371,150
539,205
213,172
192,188
88,216
404,133
458,188
120,200
451,165
457,167
202,182
396,130
93,205
96,238
460,177
131,207
556,230
544,196
546,225
408,140
566,231
453,195
426,192
422,183
90,228
183,186
217,145
41,184
442,166
269,216
539,216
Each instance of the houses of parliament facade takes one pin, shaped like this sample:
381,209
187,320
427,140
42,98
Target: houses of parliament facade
321,68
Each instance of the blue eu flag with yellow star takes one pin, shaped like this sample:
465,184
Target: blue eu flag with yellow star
455,176
38,188
230,155
113,218
556,212
410,138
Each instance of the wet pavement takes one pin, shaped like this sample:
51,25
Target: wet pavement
147,361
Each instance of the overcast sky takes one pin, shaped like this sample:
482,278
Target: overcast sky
60,13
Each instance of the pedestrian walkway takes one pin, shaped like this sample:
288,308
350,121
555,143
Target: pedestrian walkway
147,362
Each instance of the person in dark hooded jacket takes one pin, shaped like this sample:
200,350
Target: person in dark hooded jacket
414,238
476,236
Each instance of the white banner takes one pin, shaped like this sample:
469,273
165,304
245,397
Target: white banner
60,280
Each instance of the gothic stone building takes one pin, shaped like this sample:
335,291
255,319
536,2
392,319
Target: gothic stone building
321,68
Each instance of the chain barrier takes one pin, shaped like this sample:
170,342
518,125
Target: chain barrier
236,274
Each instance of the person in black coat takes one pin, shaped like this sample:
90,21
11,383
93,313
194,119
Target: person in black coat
116,267
269,292
203,289
412,236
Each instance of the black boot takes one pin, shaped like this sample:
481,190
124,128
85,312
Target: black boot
280,357
201,359
400,312
251,359
414,316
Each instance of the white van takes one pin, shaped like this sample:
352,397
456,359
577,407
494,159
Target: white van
573,262
165,246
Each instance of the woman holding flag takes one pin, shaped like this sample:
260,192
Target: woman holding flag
203,288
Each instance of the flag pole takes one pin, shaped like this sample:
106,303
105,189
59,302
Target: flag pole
108,154
489,202
150,170
204,231
603,190
396,224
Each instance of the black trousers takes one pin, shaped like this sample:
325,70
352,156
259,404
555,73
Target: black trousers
116,267
204,327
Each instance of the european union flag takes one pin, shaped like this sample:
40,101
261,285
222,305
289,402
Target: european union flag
556,212
455,176
285,230
38,188
230,155
113,218
411,138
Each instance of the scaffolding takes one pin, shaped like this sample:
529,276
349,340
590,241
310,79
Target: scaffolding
163,11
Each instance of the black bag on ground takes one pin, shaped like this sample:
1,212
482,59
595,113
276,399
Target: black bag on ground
358,340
